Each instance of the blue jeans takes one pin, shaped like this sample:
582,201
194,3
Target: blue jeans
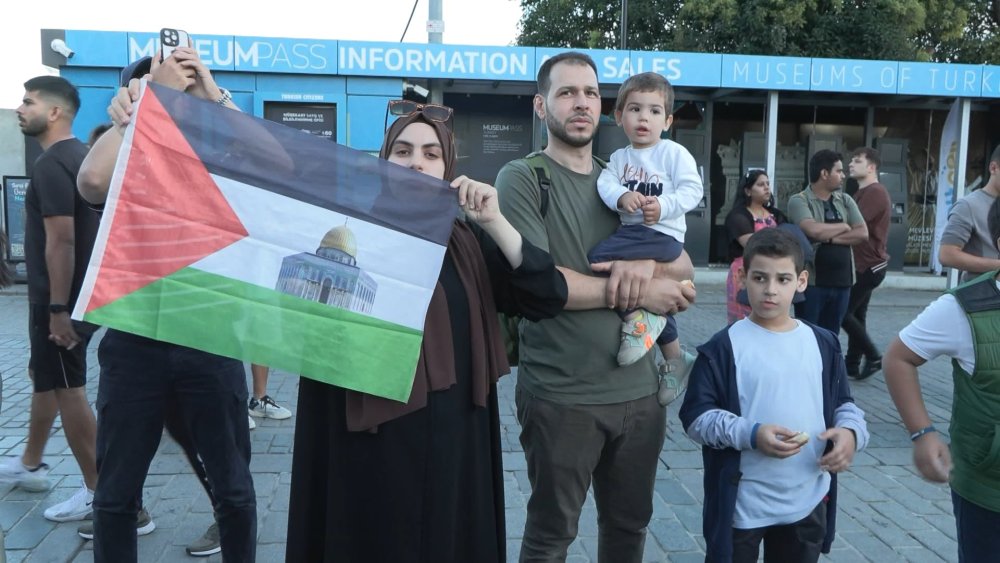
138,378
824,307
977,528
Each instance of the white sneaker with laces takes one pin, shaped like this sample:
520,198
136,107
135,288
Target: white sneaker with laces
76,507
34,480
265,407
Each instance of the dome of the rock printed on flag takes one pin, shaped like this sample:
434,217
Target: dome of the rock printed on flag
339,238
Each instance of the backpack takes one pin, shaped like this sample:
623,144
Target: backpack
509,323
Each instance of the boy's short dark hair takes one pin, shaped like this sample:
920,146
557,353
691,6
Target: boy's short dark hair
571,57
870,154
822,160
774,243
993,221
646,82
56,87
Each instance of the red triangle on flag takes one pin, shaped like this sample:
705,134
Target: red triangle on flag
169,214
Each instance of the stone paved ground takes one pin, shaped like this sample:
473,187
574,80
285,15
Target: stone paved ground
887,513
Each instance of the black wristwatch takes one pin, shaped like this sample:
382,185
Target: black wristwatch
55,308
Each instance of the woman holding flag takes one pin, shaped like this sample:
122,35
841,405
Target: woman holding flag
378,480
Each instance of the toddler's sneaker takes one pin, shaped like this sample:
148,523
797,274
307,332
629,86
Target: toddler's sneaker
639,335
77,507
674,377
143,525
13,471
265,407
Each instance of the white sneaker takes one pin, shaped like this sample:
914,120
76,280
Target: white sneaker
265,407
13,471
77,507
252,423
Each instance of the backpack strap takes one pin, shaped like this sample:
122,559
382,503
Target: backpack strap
540,167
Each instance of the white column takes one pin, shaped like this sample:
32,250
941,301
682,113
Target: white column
963,157
772,132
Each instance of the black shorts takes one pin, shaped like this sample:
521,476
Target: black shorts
55,367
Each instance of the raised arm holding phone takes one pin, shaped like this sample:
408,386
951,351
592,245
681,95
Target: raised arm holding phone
140,375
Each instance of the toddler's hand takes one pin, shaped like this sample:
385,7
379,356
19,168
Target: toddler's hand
631,202
650,210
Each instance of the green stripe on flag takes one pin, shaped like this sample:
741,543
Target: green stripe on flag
232,318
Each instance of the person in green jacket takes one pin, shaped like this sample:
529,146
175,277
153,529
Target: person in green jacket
964,325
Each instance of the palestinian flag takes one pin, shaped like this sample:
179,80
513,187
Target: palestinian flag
249,239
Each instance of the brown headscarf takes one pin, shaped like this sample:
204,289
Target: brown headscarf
436,366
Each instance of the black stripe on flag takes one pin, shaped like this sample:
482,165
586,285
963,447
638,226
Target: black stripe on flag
289,162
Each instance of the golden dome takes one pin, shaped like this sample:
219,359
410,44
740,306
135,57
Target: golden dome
341,238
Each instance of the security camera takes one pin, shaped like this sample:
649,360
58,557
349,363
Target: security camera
60,46
421,91
417,89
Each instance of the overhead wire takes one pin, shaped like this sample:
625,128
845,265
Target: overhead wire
407,28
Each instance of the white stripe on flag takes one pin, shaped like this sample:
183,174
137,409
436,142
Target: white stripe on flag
280,226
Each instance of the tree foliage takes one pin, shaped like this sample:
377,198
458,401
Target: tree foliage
589,24
965,31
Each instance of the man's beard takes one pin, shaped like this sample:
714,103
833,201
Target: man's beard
33,128
558,130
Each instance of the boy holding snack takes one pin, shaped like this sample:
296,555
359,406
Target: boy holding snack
769,401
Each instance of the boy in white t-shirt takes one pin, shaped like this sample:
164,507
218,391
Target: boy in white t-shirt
964,325
770,403
651,184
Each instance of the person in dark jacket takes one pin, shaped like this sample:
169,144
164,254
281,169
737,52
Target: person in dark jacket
770,403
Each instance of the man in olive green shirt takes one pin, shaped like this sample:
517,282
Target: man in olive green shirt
832,221
584,418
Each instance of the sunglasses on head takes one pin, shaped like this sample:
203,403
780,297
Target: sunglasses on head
433,112
751,171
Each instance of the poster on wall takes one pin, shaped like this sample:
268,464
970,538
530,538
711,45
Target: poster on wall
490,131
315,119
14,190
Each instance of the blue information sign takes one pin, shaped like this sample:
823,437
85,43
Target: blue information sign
771,73
417,60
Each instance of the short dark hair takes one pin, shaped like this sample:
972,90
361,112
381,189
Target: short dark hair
571,57
56,87
822,160
774,243
646,82
870,154
993,221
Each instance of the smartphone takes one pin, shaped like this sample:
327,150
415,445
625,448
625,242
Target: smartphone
171,39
